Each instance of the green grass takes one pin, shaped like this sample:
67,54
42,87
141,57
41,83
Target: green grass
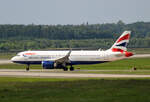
68,90
18,66
7,55
139,63
27,79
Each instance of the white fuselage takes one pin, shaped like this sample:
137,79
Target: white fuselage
76,57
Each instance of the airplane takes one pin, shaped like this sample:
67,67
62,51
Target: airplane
63,59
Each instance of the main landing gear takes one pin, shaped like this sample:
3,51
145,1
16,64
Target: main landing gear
28,67
65,69
71,68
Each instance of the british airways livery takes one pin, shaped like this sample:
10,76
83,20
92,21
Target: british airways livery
62,59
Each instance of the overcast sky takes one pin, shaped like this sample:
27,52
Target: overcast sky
73,11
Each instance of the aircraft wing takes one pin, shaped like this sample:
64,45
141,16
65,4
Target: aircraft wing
62,60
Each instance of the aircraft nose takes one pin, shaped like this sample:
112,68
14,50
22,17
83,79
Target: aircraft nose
14,59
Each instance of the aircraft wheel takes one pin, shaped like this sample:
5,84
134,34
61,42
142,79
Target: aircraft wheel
28,68
71,68
65,69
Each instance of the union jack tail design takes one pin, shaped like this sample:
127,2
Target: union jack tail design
121,44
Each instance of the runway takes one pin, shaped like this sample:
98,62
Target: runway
5,61
140,55
53,74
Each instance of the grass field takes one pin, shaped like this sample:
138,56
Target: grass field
139,63
72,90
7,55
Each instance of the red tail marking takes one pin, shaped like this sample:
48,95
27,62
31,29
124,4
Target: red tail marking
126,37
128,54
117,50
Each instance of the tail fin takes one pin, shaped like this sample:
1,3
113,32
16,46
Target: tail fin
121,43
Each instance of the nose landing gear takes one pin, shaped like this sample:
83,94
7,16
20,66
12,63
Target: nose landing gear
28,67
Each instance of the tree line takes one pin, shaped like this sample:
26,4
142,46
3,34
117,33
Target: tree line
67,32
24,37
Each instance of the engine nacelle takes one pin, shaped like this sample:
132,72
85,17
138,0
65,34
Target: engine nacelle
48,64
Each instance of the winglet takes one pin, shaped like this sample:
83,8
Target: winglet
68,54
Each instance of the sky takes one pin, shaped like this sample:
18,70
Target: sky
53,12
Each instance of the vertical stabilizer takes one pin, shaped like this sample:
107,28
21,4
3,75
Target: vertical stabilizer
121,43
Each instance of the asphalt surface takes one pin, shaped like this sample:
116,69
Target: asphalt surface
53,74
4,61
140,55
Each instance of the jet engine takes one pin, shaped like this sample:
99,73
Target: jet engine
51,65
48,64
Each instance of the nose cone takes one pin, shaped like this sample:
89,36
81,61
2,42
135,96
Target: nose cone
14,59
